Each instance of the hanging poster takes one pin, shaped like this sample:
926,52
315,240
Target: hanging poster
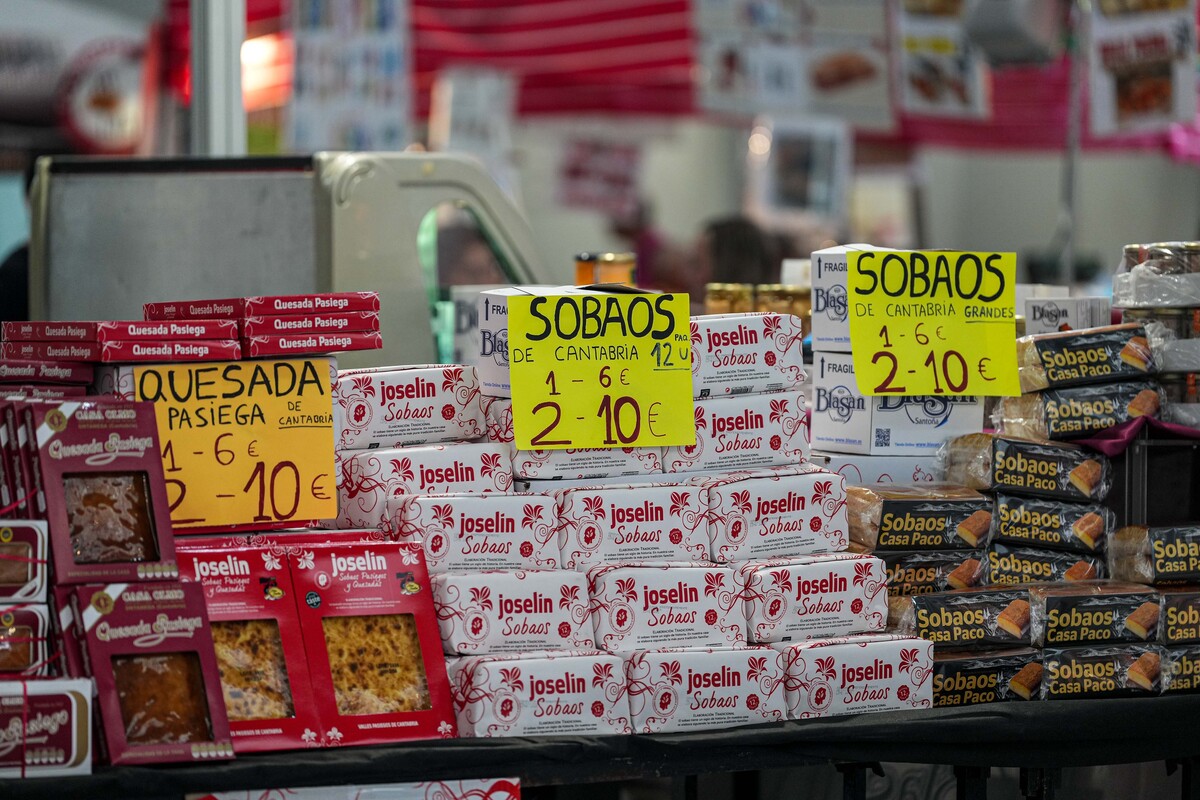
941,73
1141,65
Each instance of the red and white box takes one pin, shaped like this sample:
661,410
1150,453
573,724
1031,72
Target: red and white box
226,308
375,594
813,597
47,728
857,674
47,391
19,499
310,344
24,561
569,464
26,371
51,351
631,522
406,406
150,651
665,605
862,470
774,513
744,432
478,532
512,612
70,642
746,354
370,477
485,789
680,689
187,350
26,641
302,304
353,322
120,330
106,500
259,647
540,694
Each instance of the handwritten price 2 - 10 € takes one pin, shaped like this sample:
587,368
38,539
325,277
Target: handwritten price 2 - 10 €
948,367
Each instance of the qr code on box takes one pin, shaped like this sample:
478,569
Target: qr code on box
883,437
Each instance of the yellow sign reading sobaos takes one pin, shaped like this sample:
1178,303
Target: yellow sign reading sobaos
933,323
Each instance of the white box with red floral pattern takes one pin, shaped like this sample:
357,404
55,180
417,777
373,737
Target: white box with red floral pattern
746,354
540,694
464,531
665,605
483,613
857,674
813,597
680,689
632,522
405,406
570,464
744,432
370,477
775,513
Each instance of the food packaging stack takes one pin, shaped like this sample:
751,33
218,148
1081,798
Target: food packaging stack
123,341
1158,284
273,326
870,439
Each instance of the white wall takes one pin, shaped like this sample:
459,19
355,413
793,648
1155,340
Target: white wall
987,200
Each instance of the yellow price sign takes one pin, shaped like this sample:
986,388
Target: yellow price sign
601,370
246,443
929,323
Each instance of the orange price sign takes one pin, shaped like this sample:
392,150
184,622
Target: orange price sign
244,442
933,323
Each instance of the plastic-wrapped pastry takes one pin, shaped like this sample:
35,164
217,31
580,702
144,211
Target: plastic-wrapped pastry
932,571
1180,622
1092,612
930,516
254,679
1181,669
1022,565
1085,356
162,698
976,618
965,678
1108,671
1077,411
1055,524
989,462
109,517
1164,555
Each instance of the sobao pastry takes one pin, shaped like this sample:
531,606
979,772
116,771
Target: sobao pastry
1077,411
1079,357
1059,470
963,678
931,516
1093,612
1165,555
1020,565
1054,524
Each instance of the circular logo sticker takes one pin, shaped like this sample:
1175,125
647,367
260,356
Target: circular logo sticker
665,702
821,697
620,617
359,414
56,420
476,626
774,607
7,619
103,603
6,535
313,600
589,536
507,707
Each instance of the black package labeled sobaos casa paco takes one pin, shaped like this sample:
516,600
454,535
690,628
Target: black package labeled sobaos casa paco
1109,671
1021,565
969,619
1053,524
965,678
1093,613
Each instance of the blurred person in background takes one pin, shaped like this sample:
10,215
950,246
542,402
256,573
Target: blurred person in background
14,273
735,250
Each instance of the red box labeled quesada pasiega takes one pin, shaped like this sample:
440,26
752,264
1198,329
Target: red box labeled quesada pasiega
189,350
166,330
149,649
378,595
49,331
310,343
354,322
106,500
26,371
228,308
260,651
334,303
51,351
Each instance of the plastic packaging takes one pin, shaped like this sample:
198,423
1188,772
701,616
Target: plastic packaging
1092,612
1078,410
1014,566
1143,287
931,516
1163,555
1115,671
980,618
1088,356
1059,470
964,678
1058,525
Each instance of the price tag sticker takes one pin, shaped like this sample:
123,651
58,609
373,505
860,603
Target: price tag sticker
601,370
244,442
930,323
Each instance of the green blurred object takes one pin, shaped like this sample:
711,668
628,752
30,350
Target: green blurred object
1042,266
